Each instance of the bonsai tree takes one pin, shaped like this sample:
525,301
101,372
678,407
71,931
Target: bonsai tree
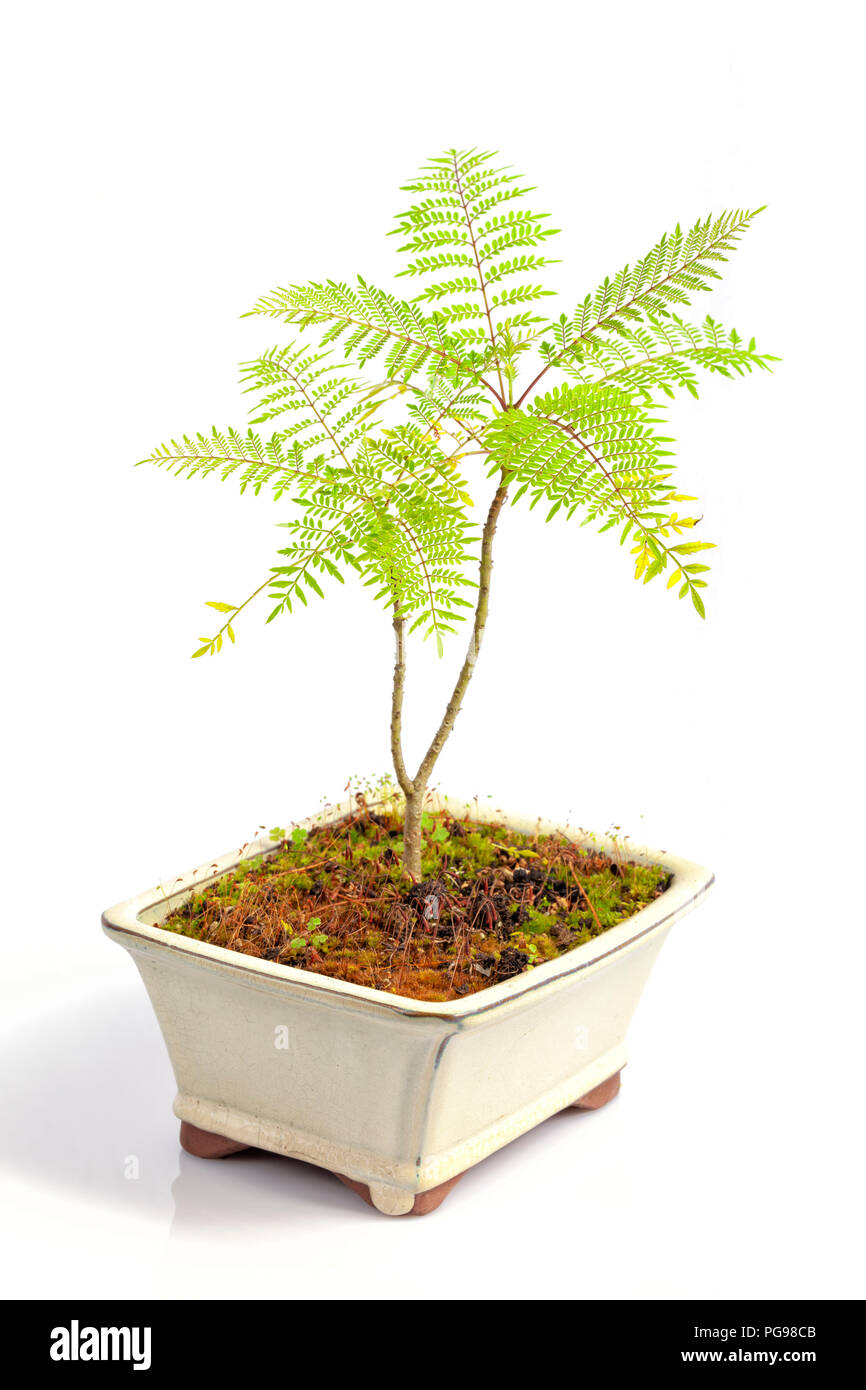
470,375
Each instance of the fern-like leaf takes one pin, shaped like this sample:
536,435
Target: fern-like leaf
226,453
596,448
327,406
453,226
369,321
397,516
661,354
679,266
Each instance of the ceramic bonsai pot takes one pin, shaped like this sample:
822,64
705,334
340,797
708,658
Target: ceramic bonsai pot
396,1096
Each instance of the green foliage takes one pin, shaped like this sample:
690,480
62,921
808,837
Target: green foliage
386,499
369,321
326,407
660,354
397,516
463,232
595,448
677,267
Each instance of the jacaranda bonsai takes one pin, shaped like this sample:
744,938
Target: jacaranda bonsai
565,412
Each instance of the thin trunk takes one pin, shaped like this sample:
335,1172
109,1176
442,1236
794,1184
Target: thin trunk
399,686
485,570
412,838
415,788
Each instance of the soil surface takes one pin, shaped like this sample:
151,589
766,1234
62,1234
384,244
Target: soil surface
492,903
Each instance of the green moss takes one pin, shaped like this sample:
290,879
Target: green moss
336,902
539,921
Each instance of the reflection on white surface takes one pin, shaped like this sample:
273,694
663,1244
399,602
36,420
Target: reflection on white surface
254,1188
88,1095
86,1089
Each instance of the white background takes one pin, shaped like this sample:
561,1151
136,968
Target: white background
167,163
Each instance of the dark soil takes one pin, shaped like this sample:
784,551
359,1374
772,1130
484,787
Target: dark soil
492,903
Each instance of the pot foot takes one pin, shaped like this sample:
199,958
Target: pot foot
396,1201
203,1144
600,1095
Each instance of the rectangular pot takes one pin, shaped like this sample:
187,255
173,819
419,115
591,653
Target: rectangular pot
396,1094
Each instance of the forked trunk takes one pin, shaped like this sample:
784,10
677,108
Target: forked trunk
414,789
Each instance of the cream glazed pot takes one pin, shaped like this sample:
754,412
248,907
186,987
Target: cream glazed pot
396,1096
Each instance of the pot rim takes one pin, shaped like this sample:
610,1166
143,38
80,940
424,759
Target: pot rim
690,882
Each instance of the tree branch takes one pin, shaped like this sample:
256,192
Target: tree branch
397,701
468,667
